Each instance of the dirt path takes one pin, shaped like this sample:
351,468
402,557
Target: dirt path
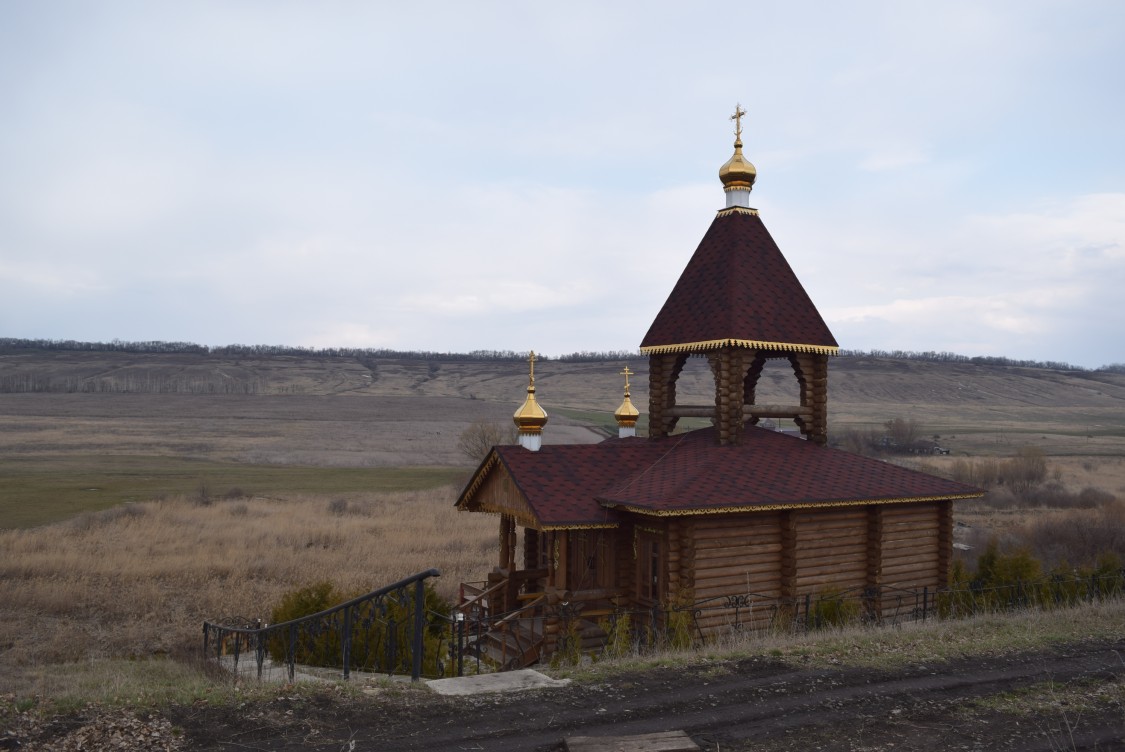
1070,697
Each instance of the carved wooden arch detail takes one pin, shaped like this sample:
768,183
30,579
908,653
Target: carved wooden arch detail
663,373
736,372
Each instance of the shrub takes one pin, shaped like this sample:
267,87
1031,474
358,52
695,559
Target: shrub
619,634
831,609
1079,537
680,621
478,439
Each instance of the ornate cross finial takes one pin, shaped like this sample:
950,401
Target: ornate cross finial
737,118
531,362
627,373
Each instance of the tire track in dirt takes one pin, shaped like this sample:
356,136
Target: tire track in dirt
756,704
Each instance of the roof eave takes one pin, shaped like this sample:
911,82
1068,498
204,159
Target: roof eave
714,344
775,507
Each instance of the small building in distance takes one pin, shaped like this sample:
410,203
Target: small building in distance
729,516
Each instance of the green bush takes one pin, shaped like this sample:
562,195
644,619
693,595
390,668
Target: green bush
831,609
619,634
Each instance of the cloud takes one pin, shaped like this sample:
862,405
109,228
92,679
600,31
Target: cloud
467,177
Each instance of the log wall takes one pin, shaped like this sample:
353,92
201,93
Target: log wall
735,555
831,550
792,554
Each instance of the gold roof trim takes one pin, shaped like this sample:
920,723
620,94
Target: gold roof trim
782,507
584,526
524,517
736,209
478,478
752,343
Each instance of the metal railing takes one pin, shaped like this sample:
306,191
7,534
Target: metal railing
391,631
386,631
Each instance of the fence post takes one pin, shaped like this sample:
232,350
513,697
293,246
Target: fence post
419,627
291,657
925,602
808,612
460,644
260,650
346,647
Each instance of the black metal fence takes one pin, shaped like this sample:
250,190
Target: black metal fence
386,631
391,631
626,631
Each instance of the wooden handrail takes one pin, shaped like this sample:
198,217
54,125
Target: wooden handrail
592,595
757,411
468,602
504,626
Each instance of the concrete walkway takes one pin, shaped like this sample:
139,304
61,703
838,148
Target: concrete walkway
506,681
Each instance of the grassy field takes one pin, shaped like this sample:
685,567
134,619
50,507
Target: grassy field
136,581
39,490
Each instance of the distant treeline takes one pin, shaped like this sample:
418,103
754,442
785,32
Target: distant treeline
13,344
144,382
976,360
8,344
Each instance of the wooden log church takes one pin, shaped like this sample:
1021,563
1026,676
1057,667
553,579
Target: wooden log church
726,514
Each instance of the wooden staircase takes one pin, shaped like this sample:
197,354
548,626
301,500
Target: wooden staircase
514,625
512,644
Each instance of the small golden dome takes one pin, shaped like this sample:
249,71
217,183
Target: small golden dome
530,418
627,414
738,172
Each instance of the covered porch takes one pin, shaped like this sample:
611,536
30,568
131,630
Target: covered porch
548,587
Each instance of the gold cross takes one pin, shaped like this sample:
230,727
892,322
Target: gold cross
627,374
531,361
737,117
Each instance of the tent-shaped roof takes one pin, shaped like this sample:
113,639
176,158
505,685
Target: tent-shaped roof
587,485
738,289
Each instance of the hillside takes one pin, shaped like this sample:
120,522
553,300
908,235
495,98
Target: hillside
946,398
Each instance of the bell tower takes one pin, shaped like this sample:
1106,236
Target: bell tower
738,304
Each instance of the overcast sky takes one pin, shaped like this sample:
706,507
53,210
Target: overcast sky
474,175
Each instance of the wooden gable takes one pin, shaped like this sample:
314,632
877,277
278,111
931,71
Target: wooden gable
493,490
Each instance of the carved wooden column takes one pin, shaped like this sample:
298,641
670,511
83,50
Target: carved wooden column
729,366
812,376
506,524
530,548
663,372
750,382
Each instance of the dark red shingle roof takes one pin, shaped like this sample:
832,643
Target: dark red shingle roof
584,485
738,286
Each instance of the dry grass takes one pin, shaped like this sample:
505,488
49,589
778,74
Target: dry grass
931,643
138,580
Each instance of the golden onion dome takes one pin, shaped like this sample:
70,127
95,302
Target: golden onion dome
530,417
626,415
738,172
